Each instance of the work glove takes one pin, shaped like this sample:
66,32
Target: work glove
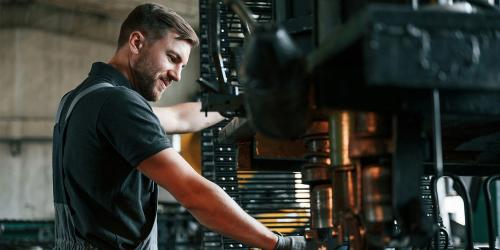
290,243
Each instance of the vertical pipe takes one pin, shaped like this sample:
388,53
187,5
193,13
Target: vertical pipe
346,181
340,130
436,120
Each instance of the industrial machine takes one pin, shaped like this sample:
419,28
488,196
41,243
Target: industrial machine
386,106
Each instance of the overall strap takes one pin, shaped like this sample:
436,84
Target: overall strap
77,99
65,230
62,125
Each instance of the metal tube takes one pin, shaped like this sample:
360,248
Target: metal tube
377,204
316,172
322,206
340,131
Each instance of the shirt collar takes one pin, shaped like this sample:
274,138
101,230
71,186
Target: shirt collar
109,73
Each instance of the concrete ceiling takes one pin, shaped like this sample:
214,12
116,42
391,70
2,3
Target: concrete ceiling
118,9
98,20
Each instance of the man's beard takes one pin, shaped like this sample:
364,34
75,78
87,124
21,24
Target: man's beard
144,80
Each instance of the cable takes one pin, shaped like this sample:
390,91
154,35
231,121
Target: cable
489,209
462,191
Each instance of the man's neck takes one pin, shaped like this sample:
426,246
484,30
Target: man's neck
121,63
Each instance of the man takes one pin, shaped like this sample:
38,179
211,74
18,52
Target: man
110,149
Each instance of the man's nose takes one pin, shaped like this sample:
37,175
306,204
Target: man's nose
175,74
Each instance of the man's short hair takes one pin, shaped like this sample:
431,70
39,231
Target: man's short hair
154,21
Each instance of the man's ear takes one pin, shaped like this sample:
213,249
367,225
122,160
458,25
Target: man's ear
136,41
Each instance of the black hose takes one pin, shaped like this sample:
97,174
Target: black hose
462,191
489,209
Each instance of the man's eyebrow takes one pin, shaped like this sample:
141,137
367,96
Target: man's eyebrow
177,56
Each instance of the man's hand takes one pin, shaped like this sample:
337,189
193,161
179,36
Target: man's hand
290,243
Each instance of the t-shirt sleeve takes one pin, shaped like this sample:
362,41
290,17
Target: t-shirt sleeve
130,126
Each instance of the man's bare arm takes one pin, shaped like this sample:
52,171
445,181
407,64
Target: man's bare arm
206,201
185,118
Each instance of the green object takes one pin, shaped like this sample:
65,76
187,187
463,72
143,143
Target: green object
23,233
479,216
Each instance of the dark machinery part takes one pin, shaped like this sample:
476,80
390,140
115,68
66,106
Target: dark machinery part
428,187
346,183
463,192
219,165
384,148
401,85
223,96
273,74
227,105
408,159
317,173
275,84
177,229
276,198
214,45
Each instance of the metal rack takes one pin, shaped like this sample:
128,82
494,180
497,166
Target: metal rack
276,198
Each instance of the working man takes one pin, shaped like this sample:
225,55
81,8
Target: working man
110,148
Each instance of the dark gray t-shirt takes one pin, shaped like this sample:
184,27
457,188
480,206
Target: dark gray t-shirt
111,131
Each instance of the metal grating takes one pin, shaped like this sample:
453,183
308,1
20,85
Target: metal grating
278,199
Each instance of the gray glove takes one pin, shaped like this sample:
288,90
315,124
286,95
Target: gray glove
290,243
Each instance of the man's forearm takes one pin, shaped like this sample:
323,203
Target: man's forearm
222,214
205,200
185,117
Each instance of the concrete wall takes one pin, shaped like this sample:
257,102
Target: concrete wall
37,66
26,182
